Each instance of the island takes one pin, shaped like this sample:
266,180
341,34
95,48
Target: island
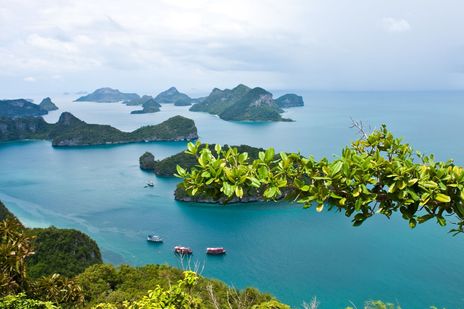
138,101
71,131
173,96
289,100
243,103
167,168
20,108
48,105
107,95
149,106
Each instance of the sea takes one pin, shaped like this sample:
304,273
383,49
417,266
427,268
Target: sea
280,248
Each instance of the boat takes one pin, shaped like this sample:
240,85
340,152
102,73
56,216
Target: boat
216,251
154,238
182,250
150,184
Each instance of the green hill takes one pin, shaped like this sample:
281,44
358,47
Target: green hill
107,95
241,104
71,131
173,96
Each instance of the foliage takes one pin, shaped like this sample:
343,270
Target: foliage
167,166
376,174
109,285
20,301
64,251
15,248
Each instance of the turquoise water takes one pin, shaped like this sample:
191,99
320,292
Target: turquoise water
280,248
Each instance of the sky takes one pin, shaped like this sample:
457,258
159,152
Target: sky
146,46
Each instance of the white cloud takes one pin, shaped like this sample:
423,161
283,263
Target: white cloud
29,79
391,24
315,44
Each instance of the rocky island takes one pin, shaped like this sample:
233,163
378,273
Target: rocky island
149,106
48,105
107,95
71,131
245,104
173,96
289,100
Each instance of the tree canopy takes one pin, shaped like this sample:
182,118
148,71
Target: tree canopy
377,174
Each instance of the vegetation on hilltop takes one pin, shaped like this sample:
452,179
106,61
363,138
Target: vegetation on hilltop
149,106
70,131
245,104
20,108
63,251
173,96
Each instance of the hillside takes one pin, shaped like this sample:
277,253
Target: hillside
48,105
20,108
173,96
107,95
149,106
245,104
71,131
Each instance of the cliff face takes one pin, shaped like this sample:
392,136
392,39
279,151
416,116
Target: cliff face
23,128
71,131
147,161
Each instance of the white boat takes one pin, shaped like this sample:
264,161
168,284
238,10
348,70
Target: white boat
154,238
150,183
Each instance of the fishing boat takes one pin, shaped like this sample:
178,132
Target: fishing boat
154,238
182,250
216,251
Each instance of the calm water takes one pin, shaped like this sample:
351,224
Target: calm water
280,248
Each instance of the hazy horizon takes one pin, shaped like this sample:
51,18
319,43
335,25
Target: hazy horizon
148,46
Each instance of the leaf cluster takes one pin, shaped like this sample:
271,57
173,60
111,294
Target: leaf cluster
377,173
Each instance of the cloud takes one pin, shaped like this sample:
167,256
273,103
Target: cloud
391,24
316,44
29,79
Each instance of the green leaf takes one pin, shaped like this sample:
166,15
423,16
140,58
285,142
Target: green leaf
218,148
320,207
269,155
336,168
443,198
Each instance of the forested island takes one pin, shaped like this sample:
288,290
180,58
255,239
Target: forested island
24,108
107,95
173,96
246,104
71,131
148,106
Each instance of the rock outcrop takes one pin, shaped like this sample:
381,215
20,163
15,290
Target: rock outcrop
48,105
